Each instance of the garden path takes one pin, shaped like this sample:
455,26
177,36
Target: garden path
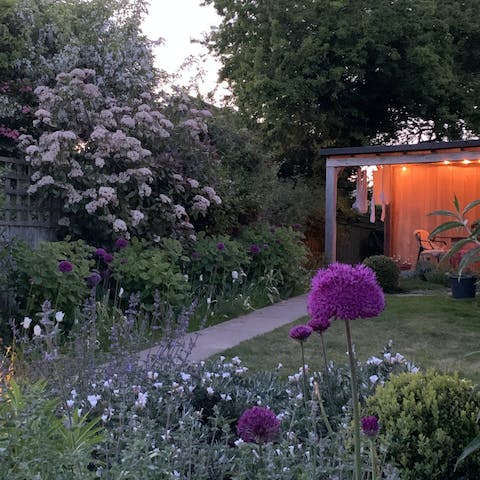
216,339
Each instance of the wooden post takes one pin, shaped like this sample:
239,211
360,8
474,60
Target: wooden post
331,214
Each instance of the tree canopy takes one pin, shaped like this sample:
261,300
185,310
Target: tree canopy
314,73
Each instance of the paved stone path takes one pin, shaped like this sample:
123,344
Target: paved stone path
216,339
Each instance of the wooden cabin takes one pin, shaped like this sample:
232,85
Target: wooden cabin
409,182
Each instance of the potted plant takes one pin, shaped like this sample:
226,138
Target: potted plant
464,253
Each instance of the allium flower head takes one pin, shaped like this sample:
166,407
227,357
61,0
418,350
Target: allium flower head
370,426
319,324
100,252
196,255
65,266
220,246
94,279
121,243
108,257
254,249
300,332
346,292
258,425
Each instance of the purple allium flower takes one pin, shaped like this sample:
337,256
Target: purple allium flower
254,249
319,324
94,279
258,425
121,243
106,273
346,292
300,332
65,266
370,426
100,252
108,257
196,255
297,226
220,246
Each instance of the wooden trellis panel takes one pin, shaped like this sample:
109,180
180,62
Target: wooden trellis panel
21,215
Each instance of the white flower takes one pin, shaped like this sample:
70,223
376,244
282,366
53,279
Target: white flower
185,376
26,322
119,225
374,361
209,301
373,378
37,330
120,292
201,277
59,316
210,390
152,375
93,399
238,442
235,275
70,403
141,400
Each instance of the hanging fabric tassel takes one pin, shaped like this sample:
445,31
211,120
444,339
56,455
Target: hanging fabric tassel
361,199
372,210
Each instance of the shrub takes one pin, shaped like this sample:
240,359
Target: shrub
278,255
144,267
39,277
429,418
387,271
438,275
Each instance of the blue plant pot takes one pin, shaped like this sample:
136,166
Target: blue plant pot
463,287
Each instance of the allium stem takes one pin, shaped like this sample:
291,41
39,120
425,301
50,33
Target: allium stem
327,375
374,459
356,411
304,376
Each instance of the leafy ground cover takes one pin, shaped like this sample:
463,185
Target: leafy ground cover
434,331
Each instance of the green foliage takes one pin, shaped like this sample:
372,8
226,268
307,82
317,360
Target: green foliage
247,175
386,270
281,258
429,419
466,252
359,64
38,277
143,268
36,441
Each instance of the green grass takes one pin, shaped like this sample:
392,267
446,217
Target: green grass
434,331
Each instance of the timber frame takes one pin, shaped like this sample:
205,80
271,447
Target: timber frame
339,158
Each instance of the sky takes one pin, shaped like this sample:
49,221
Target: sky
177,22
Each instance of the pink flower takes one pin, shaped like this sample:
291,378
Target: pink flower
346,292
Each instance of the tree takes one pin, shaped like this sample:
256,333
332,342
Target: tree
41,38
314,73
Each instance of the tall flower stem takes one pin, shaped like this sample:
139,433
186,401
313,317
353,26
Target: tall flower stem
374,459
356,410
304,376
327,374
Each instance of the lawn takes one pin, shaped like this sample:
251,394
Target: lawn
434,331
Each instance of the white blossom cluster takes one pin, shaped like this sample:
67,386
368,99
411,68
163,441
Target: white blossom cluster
111,161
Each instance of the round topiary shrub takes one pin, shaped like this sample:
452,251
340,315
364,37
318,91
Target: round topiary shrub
387,271
427,419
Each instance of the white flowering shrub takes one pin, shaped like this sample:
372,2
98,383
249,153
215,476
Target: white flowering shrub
114,166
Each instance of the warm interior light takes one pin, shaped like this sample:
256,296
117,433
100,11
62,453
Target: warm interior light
404,169
465,162
446,162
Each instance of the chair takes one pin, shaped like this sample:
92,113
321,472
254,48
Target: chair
429,249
